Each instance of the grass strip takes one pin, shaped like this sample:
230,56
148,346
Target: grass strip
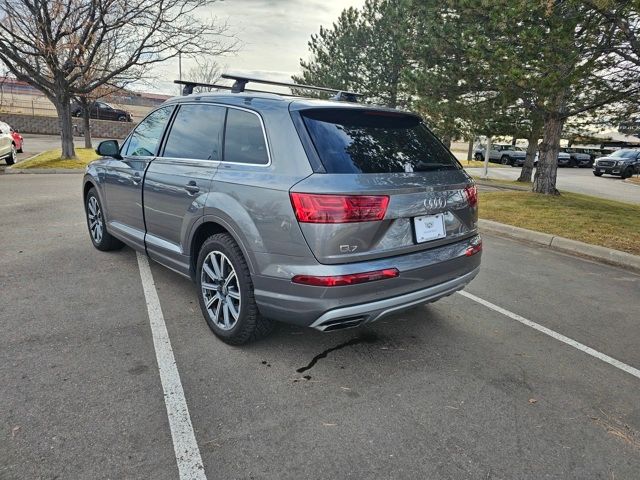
579,217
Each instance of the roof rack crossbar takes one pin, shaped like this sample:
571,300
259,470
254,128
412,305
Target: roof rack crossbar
240,84
189,86
244,80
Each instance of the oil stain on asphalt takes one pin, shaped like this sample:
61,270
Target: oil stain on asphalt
364,338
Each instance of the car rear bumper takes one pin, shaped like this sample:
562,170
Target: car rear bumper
356,315
424,277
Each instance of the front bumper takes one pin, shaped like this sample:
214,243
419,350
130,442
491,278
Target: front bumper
424,277
608,170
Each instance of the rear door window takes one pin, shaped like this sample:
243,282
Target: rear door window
370,141
244,140
196,133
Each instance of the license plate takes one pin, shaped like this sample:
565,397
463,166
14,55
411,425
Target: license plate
429,227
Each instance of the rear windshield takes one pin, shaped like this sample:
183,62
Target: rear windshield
369,141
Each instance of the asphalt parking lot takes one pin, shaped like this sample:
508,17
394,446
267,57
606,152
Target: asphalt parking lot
455,390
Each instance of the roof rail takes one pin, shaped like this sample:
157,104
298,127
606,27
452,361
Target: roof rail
189,86
241,82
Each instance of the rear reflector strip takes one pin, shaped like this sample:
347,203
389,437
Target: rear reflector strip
343,280
321,208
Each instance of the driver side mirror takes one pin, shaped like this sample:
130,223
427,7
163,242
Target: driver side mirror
109,148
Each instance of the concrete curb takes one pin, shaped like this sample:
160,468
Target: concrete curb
27,171
603,254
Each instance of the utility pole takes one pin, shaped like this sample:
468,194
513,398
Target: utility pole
486,157
180,71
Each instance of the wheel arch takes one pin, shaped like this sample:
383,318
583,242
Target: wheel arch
211,225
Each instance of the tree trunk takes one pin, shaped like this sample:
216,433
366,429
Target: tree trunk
514,140
447,141
86,112
527,168
545,177
470,150
63,107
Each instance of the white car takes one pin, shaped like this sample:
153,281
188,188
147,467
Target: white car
8,150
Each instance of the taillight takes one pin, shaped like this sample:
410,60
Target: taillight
476,247
471,192
342,280
326,208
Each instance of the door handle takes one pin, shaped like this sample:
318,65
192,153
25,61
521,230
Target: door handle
136,178
192,188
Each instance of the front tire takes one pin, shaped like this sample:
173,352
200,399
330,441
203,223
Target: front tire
597,174
627,173
13,156
100,238
225,292
505,160
479,157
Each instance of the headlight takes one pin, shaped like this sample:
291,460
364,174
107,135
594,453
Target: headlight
619,163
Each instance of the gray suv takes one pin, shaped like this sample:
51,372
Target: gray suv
317,213
624,163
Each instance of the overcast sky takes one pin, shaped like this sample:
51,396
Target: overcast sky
273,35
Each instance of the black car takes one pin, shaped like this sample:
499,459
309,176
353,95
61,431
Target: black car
103,111
623,162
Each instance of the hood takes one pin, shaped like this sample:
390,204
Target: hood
613,159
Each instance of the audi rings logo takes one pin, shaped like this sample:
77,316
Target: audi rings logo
435,202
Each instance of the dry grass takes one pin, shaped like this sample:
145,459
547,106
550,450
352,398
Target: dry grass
634,180
51,159
476,164
579,217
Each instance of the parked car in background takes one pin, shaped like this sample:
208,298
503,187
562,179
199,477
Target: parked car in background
506,154
578,158
8,147
623,162
318,213
18,140
564,159
103,111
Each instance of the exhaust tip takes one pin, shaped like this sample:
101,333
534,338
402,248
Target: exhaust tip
341,324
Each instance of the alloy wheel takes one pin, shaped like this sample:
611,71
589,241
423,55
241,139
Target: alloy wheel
96,225
220,290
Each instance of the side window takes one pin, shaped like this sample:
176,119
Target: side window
196,133
244,139
143,142
4,128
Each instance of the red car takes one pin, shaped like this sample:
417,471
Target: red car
17,139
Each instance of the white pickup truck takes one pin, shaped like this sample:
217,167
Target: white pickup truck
506,154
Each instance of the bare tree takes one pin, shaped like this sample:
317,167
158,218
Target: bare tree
68,48
206,70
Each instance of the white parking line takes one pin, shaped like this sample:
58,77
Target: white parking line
558,336
184,440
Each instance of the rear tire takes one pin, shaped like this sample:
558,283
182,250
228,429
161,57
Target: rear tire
225,292
573,163
100,238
